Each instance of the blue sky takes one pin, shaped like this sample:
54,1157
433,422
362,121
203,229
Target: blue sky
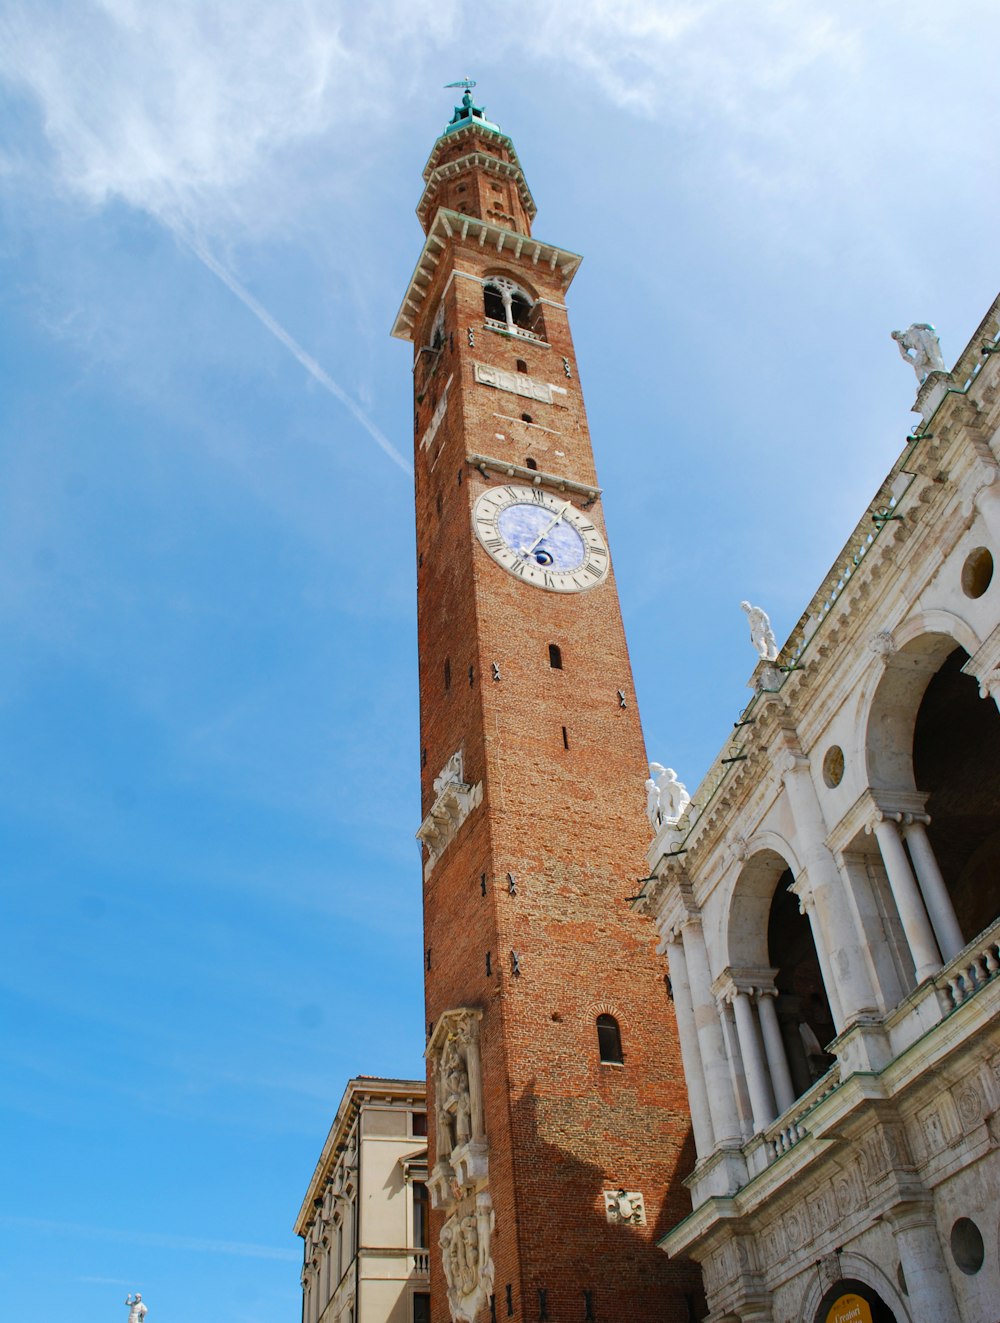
208,790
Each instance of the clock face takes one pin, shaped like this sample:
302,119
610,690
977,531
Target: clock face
541,537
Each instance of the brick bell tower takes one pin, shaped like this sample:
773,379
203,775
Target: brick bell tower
554,1074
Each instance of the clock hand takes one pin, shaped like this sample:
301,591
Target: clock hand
526,551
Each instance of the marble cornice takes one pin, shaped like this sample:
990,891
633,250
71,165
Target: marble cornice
511,247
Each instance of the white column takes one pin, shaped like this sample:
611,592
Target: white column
940,910
715,1062
931,1298
807,905
774,1050
736,1071
906,894
761,1097
694,1072
836,936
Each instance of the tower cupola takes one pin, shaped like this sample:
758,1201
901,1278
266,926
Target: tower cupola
473,170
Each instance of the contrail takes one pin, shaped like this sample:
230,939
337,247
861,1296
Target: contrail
307,361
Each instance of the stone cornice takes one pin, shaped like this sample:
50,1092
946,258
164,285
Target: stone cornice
536,477
511,247
361,1089
870,806
477,160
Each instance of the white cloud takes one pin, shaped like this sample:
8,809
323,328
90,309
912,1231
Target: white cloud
179,109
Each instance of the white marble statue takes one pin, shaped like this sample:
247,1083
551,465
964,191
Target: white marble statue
666,797
761,633
451,773
137,1310
920,346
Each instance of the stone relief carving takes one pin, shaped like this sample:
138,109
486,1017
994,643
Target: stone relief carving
667,799
882,643
970,1107
465,1241
829,1269
517,383
459,1179
625,1206
460,1165
761,633
920,347
454,800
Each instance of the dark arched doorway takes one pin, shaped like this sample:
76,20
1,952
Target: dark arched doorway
846,1302
956,757
803,1008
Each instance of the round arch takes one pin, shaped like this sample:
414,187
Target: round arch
857,1272
749,904
922,645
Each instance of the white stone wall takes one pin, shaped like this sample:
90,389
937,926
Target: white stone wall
868,1169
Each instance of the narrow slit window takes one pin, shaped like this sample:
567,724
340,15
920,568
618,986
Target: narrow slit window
609,1041
565,738
447,674
472,676
555,661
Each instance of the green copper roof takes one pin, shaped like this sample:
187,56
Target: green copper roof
469,113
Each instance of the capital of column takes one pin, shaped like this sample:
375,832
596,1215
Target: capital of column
899,806
753,983
788,761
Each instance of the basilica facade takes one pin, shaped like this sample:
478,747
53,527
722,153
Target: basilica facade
827,905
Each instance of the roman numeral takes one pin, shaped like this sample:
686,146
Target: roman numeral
538,496
595,570
493,543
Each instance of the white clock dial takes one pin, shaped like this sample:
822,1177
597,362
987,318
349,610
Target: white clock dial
541,538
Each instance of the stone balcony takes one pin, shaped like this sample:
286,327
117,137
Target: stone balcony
876,1061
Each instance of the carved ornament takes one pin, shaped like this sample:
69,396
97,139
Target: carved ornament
626,1207
454,800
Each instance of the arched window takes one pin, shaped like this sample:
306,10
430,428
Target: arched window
506,302
530,463
609,1041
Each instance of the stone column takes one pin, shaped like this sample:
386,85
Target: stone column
836,936
912,915
807,906
774,1050
940,910
736,1071
694,1072
761,1097
931,1298
715,1062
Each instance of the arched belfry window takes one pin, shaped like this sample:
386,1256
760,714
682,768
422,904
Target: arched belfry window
609,1041
504,301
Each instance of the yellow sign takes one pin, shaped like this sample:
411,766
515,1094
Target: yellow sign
849,1309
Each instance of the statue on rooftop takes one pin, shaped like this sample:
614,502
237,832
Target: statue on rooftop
761,633
137,1310
667,798
920,346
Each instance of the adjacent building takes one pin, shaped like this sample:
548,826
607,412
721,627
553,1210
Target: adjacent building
828,908
363,1221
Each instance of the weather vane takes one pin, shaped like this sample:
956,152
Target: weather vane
467,83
